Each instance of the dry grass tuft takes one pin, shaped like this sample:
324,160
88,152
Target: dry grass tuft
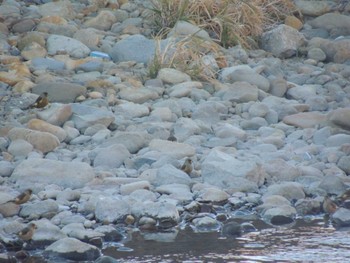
229,22
185,54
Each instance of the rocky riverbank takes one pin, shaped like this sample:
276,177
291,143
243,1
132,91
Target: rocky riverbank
268,138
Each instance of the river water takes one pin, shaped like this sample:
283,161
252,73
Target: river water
304,241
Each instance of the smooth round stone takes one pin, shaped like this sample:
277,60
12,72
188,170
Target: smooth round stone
91,66
95,95
258,109
6,168
40,63
179,150
289,190
80,139
316,54
20,147
103,21
205,224
172,76
39,125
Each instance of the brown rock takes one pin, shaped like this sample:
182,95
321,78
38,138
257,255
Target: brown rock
40,125
56,114
33,50
103,21
16,72
31,37
59,8
88,37
4,29
9,209
131,30
24,25
42,141
10,78
305,119
6,59
294,22
340,117
342,48
57,20
23,86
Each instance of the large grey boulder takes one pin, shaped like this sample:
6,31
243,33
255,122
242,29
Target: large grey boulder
282,41
223,170
134,48
72,249
57,43
34,172
86,116
109,209
60,92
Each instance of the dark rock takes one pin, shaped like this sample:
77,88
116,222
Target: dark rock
231,229
281,220
106,259
342,217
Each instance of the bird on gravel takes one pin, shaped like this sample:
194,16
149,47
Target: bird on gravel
344,199
41,101
23,197
26,234
344,196
329,206
187,166
172,138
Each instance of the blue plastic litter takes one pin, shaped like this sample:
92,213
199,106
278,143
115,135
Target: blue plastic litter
99,54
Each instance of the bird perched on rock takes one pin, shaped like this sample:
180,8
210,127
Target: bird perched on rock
27,233
41,101
172,138
344,196
329,206
23,197
344,199
187,166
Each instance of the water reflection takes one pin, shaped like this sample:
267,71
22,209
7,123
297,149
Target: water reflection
311,241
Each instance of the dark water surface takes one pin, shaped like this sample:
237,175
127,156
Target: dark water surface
303,241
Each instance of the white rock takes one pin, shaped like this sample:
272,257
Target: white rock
172,76
178,150
57,43
34,172
20,147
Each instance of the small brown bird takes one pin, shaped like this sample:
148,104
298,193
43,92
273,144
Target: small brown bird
329,206
27,233
172,138
344,196
187,166
23,197
41,101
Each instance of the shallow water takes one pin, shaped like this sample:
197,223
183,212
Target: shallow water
311,241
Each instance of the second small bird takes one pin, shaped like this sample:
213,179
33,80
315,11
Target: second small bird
187,166
23,197
27,233
41,101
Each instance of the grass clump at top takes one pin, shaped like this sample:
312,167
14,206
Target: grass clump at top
187,55
228,22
